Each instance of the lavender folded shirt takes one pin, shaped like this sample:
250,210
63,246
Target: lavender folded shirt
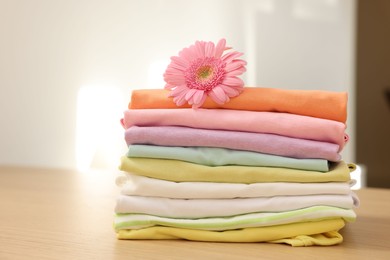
291,125
247,141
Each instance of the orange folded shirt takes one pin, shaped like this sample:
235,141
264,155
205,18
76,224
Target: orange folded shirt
315,103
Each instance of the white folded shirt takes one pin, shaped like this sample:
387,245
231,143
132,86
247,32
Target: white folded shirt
201,208
132,184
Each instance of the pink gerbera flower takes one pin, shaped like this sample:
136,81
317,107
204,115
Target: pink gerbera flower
202,70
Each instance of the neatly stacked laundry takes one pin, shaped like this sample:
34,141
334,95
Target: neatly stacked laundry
264,167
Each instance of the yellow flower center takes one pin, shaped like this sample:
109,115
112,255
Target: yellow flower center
204,72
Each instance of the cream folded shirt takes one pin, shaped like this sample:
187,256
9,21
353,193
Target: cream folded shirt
132,184
212,156
324,232
285,124
316,213
203,208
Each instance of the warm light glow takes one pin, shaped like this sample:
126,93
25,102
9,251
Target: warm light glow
99,135
360,176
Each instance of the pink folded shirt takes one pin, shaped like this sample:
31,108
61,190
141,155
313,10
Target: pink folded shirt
291,125
248,141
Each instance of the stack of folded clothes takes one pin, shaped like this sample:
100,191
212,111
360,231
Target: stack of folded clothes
263,167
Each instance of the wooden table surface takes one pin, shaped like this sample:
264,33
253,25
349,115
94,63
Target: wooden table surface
59,214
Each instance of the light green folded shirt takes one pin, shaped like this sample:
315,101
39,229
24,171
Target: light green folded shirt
324,232
316,213
180,171
212,156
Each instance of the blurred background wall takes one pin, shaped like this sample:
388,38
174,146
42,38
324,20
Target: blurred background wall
373,90
67,67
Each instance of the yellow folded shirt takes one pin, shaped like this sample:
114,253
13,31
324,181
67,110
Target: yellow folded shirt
324,239
180,171
324,232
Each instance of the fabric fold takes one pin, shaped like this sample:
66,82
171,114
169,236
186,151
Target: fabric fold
315,103
212,156
246,141
179,171
297,234
315,213
290,125
132,184
204,208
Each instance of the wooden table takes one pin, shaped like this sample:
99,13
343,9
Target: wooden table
58,214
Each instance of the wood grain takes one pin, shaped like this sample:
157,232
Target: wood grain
59,214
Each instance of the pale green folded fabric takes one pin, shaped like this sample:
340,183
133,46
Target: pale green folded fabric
174,170
324,232
212,156
316,213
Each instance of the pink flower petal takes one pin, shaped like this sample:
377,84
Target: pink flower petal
203,70
219,94
173,71
176,77
215,98
238,88
236,72
179,90
190,93
234,65
180,100
233,81
228,57
188,53
200,102
199,47
197,98
177,81
177,66
182,63
231,92
220,48
174,74
209,49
